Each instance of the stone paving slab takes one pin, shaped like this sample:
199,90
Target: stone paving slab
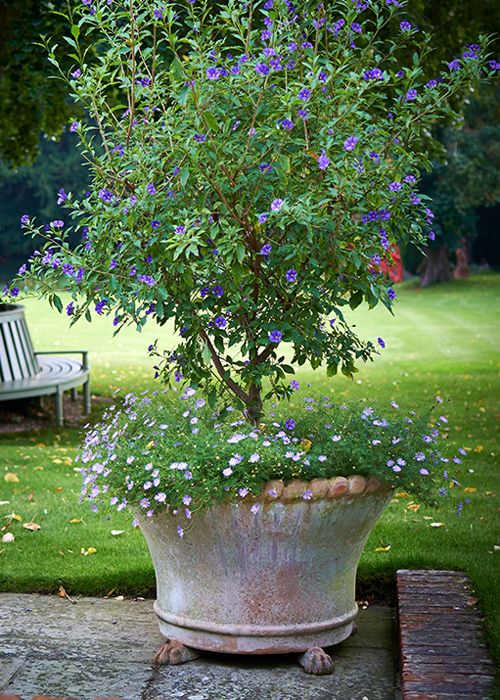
103,647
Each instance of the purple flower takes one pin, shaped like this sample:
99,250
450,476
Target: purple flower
151,189
350,143
373,74
262,218
25,219
213,73
381,342
105,195
431,236
14,292
431,84
287,124
218,291
290,424
303,114
76,73
74,126
200,138
266,249
22,269
58,223
276,204
262,68
179,229
294,385
420,456
265,167
394,186
391,294
291,275
100,306
304,94
411,95
323,161
405,26
454,65
275,336
155,223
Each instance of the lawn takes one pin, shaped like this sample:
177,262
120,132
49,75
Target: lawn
442,340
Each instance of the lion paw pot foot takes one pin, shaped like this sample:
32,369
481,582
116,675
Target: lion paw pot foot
316,662
173,653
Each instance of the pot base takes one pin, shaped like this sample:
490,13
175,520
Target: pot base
253,639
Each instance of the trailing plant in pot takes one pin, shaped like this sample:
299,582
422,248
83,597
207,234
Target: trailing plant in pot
251,163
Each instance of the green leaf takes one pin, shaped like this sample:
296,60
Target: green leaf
211,121
356,299
75,30
57,303
184,175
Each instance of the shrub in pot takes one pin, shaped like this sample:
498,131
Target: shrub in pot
252,163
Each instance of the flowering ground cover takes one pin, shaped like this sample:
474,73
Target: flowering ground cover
444,343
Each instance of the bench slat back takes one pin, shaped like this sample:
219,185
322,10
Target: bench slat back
17,357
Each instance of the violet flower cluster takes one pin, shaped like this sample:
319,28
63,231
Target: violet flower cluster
170,450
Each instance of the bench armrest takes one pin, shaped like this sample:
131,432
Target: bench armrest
83,353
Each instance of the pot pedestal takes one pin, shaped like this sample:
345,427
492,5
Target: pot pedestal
278,580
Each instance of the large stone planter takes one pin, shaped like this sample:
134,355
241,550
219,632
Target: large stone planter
276,581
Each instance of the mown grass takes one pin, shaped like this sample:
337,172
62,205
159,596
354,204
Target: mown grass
443,340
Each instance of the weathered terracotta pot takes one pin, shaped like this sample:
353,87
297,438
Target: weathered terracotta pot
276,581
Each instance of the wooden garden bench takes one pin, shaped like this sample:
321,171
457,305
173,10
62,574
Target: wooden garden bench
25,373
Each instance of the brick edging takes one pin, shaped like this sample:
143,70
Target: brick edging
443,655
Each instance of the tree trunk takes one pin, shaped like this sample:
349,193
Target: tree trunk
461,270
435,267
254,409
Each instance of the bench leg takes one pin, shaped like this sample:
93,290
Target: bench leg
59,407
86,398
74,394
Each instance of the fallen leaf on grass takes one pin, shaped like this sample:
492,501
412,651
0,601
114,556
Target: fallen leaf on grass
8,537
6,503
115,533
472,601
32,526
31,497
38,469
58,489
13,516
40,444
478,448
11,478
119,597
86,552
75,520
438,524
488,493
150,444
413,506
57,461
402,494
383,549
470,489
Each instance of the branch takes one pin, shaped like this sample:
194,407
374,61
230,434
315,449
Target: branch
235,388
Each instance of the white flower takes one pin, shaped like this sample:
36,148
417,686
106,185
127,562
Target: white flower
336,438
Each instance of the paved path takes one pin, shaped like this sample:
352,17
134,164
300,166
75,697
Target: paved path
103,647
